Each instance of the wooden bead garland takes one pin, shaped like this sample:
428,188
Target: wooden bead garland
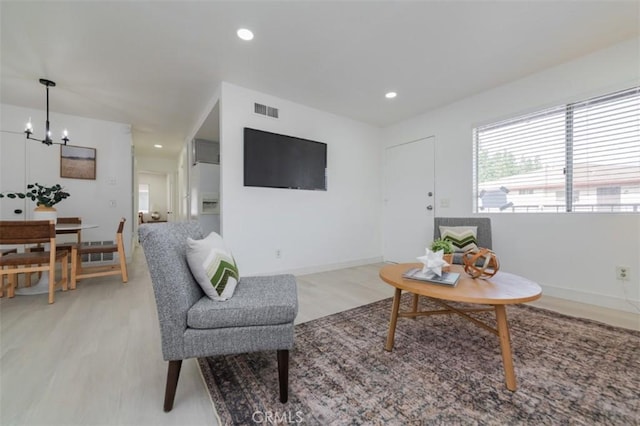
480,263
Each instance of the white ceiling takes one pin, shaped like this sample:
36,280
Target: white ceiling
156,64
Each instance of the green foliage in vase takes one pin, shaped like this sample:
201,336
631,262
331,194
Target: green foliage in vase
47,196
440,244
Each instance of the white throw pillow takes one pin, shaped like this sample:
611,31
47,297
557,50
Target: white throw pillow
463,238
213,266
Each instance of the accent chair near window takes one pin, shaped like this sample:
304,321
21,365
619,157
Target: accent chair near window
483,225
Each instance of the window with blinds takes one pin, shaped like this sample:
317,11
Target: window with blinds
580,157
143,197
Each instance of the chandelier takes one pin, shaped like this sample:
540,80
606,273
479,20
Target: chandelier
47,135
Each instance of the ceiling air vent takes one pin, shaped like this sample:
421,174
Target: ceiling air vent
265,110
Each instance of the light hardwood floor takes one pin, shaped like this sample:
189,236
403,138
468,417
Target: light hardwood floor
94,356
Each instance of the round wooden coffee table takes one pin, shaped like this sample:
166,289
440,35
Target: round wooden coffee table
500,290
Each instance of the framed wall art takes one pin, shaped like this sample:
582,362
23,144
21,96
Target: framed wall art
77,162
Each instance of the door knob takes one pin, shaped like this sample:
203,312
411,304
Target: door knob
429,207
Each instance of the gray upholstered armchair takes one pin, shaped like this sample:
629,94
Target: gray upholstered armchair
482,223
259,316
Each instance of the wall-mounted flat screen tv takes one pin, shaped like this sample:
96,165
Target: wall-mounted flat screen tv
279,161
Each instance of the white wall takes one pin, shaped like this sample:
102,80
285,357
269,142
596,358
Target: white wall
572,256
313,229
187,185
156,164
102,201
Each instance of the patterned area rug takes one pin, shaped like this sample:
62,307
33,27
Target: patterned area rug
443,370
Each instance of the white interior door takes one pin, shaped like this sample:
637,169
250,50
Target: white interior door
13,172
409,202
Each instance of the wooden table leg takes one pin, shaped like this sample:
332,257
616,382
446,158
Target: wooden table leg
394,318
505,346
414,305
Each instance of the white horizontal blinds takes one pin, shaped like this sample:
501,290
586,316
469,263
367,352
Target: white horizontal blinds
582,157
606,153
520,163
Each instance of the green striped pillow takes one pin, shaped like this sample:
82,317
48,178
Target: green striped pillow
213,266
463,238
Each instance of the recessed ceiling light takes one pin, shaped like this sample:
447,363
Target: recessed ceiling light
157,146
391,95
245,34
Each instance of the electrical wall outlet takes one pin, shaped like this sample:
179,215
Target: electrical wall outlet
622,273
278,253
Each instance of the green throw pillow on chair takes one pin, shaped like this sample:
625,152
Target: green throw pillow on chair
463,238
213,266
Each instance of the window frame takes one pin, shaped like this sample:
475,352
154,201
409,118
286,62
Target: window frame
571,195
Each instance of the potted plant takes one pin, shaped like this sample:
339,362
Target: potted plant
444,245
44,196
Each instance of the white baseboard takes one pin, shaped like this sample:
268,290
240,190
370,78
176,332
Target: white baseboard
330,267
604,301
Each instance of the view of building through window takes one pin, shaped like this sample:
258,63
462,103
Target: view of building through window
580,157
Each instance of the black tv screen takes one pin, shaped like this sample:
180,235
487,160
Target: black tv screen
279,161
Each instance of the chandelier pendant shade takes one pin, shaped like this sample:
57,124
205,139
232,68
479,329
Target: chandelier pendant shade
47,135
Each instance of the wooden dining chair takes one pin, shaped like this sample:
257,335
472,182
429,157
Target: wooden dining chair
32,232
70,221
2,282
60,246
79,272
